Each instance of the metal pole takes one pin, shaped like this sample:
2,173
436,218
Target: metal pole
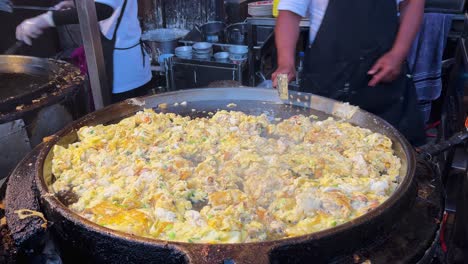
94,55
252,33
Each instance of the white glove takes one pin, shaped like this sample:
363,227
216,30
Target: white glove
33,27
64,5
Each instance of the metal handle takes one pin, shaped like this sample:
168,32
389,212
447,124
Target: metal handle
37,8
13,49
430,150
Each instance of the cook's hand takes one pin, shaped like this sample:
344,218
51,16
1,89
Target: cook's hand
33,27
290,70
67,4
386,69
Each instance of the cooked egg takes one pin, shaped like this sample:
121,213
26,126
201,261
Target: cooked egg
227,178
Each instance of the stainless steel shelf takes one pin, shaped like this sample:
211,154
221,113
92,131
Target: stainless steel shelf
271,21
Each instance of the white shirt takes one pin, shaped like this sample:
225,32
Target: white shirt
315,9
129,72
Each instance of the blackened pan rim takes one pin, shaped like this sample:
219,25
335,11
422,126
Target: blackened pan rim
53,92
403,187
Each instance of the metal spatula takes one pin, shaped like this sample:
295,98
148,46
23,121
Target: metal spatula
37,8
283,90
7,6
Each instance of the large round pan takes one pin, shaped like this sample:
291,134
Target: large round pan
35,74
36,82
103,245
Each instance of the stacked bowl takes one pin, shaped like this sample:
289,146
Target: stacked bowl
261,9
184,52
238,54
221,56
202,50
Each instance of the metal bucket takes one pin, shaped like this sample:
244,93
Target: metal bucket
163,40
213,31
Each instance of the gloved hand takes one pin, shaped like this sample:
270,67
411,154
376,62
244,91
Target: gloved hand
33,27
66,4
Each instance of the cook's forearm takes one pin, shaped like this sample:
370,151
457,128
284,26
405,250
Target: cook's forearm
286,36
411,14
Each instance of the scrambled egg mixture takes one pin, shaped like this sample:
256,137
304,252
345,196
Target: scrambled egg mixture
229,178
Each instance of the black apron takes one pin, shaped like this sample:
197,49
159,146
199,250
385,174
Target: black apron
108,48
353,35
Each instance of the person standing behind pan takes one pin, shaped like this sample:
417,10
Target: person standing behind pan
127,64
357,54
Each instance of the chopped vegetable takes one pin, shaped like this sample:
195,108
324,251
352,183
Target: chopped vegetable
226,178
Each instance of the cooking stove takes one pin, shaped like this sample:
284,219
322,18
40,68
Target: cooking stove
414,239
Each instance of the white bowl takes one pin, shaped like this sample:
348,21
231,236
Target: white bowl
238,49
260,10
183,49
237,61
260,14
202,52
221,55
237,56
202,57
185,57
260,4
202,46
183,54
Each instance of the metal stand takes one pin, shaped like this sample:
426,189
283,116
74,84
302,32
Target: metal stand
94,55
190,73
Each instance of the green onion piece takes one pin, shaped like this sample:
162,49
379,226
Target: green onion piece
171,235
